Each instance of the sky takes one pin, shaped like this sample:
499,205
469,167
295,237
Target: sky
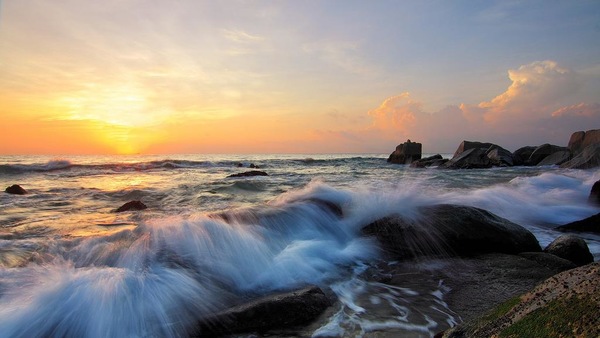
185,76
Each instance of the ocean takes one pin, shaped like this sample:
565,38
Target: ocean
70,266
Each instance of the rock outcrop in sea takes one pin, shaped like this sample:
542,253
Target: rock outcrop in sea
15,189
582,152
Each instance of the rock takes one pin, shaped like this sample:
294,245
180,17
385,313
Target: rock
556,158
595,193
249,174
564,305
431,161
279,311
583,139
406,153
521,155
571,248
15,189
590,224
132,205
474,158
542,152
587,159
500,157
466,145
448,230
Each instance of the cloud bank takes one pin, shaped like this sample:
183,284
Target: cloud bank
536,108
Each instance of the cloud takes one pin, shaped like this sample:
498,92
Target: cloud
240,36
536,108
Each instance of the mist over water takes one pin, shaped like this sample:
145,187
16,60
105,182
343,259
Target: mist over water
71,266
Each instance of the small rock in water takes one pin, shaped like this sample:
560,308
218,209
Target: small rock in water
572,248
132,205
15,189
250,173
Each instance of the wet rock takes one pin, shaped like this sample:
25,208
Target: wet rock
132,205
590,224
448,230
466,145
15,189
279,311
406,153
587,159
249,174
474,158
500,157
571,248
595,193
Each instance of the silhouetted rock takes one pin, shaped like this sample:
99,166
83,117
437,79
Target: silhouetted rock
473,158
590,224
521,155
132,205
279,311
582,139
431,161
406,153
250,174
499,156
15,189
595,193
544,151
444,229
587,159
571,248
466,145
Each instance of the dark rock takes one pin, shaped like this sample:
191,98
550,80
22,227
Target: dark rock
583,139
590,224
406,153
521,155
571,248
544,151
587,159
279,311
556,158
431,161
500,157
132,205
15,189
595,193
250,174
554,263
447,230
466,145
253,166
474,158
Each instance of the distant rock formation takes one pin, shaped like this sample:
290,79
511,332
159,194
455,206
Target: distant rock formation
15,189
474,155
406,153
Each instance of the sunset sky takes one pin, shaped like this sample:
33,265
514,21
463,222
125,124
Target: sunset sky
132,76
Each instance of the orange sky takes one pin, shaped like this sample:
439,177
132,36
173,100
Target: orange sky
122,77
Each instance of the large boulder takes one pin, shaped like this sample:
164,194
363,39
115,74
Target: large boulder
564,305
587,159
15,189
466,145
473,158
448,230
571,248
556,158
406,153
544,151
583,139
431,161
500,157
590,224
521,155
279,311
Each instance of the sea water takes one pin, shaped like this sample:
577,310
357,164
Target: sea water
71,266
